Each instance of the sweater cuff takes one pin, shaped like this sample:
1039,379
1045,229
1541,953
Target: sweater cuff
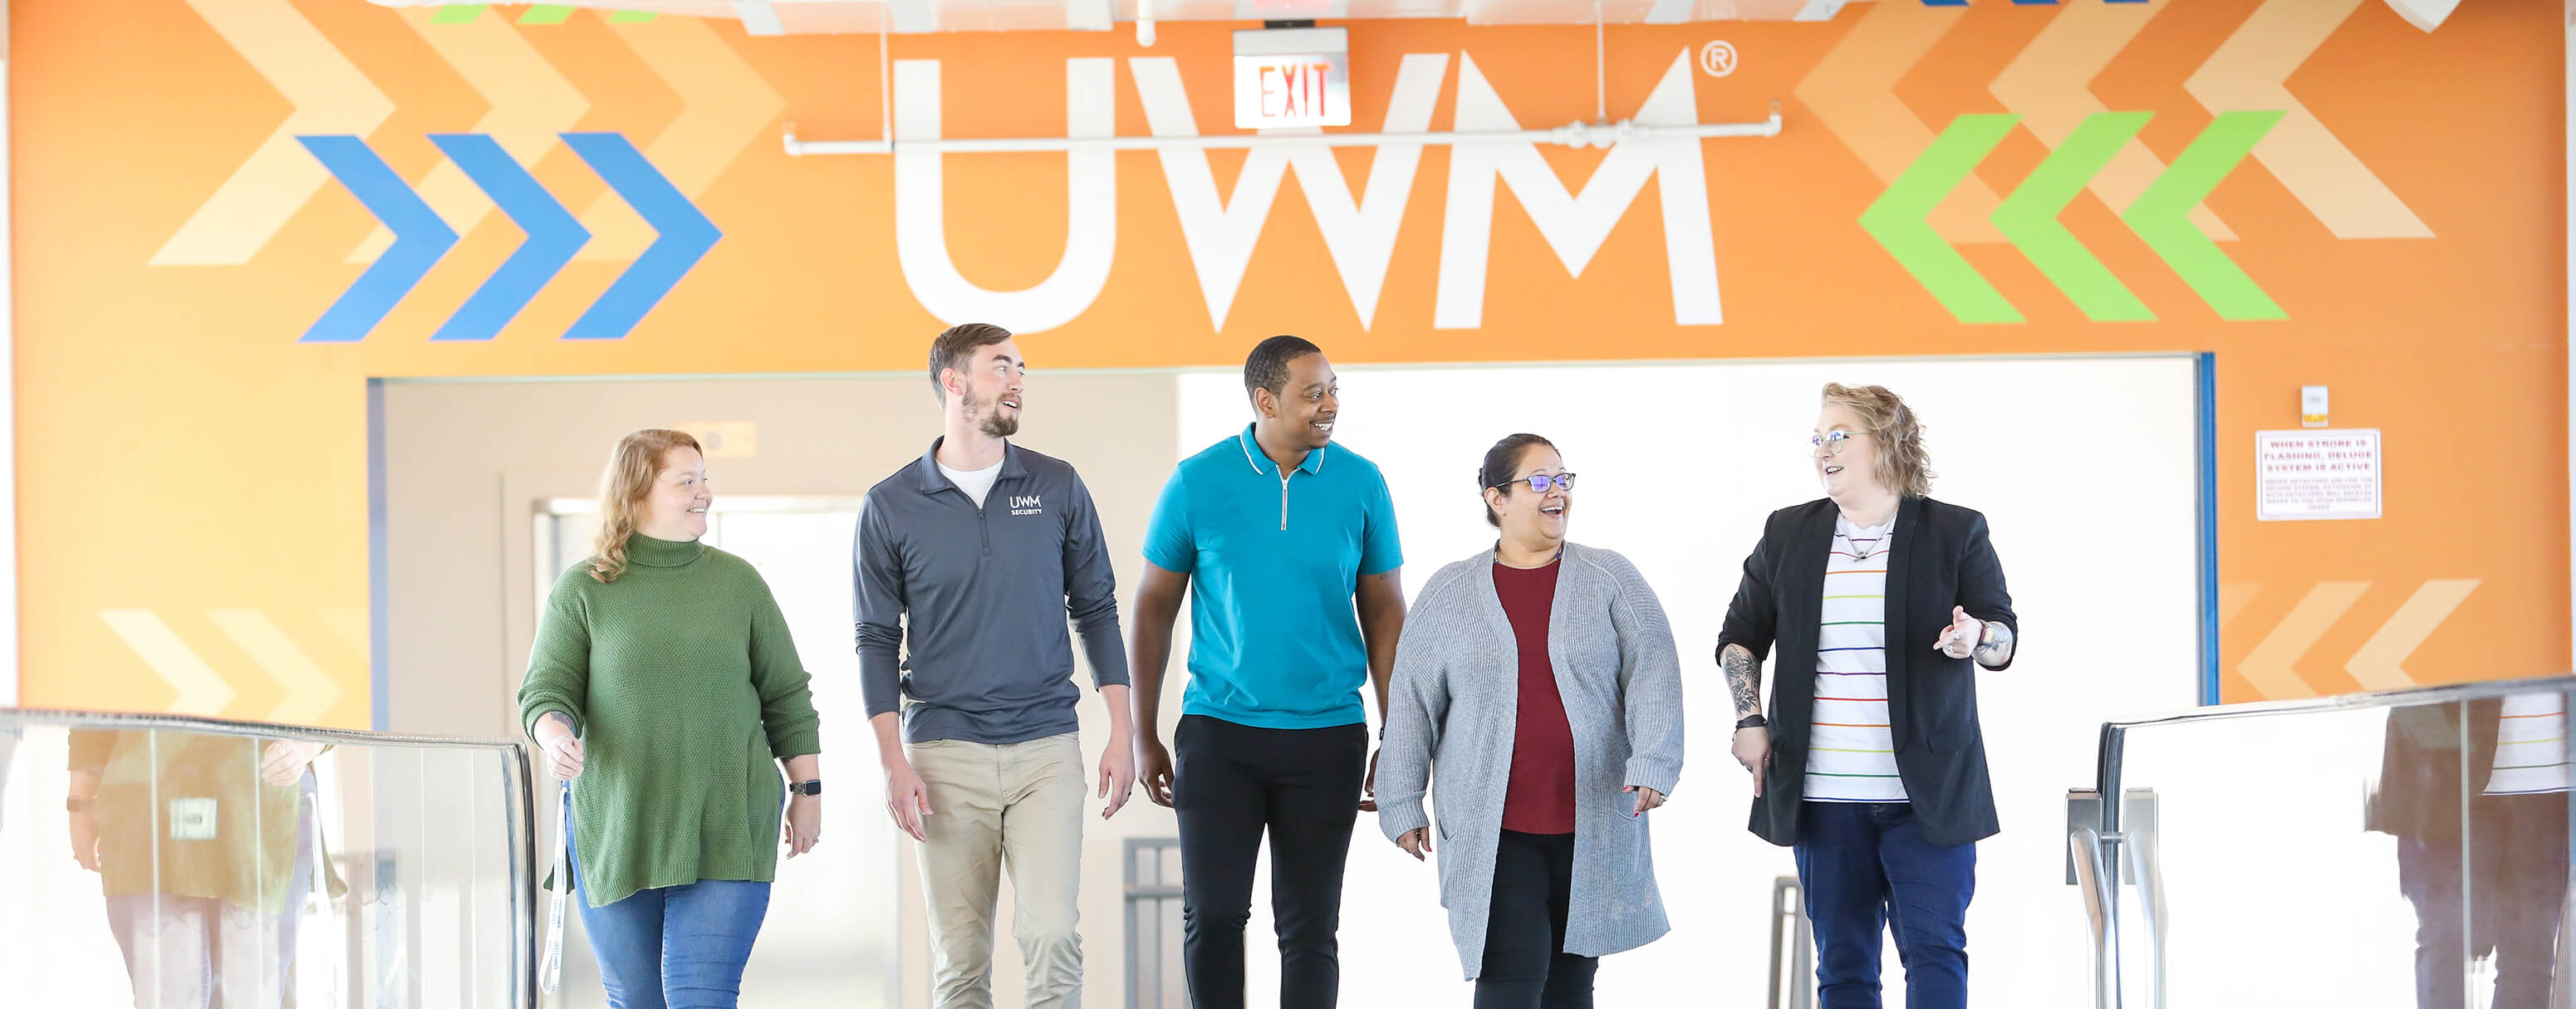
1655,774
1402,817
539,713
800,743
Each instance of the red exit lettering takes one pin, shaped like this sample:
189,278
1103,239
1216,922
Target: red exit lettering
1293,91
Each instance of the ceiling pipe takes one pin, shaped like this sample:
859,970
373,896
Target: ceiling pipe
1570,135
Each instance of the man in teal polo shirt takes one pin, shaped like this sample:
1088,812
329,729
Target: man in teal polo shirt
1286,547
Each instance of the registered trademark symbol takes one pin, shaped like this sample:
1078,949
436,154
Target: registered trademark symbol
1717,59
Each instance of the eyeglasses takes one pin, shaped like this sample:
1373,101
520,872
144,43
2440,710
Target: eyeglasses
1540,481
1829,443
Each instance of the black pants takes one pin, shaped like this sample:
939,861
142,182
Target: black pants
2518,866
1526,965
1230,783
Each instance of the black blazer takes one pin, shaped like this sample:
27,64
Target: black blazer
1941,559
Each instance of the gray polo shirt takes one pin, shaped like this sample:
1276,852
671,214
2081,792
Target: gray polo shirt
979,599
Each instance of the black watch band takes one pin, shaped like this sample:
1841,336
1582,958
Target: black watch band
814,787
1754,721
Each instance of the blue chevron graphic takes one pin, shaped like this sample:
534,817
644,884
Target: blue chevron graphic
553,236
420,239
686,235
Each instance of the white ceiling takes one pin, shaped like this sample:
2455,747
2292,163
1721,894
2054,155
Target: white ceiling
809,17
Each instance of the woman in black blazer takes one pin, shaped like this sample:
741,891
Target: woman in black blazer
1883,604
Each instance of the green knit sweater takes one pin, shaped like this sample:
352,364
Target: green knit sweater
680,678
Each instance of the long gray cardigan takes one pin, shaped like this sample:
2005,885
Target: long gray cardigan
1455,698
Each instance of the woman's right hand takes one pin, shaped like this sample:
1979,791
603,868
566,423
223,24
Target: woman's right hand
1415,842
84,827
563,749
1753,750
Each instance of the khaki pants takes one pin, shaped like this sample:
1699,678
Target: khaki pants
1017,806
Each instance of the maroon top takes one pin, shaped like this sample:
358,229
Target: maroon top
1540,798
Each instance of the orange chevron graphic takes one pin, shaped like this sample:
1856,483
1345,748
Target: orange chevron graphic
729,107
2248,72
528,103
330,95
1851,91
2049,85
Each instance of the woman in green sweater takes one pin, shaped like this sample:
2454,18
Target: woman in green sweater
671,659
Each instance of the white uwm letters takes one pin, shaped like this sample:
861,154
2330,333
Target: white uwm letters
1359,233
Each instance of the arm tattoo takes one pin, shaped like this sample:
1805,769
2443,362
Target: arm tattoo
1993,652
1743,677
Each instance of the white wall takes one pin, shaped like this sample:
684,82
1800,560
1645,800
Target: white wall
2086,470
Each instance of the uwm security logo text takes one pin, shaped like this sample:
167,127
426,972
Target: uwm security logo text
1359,233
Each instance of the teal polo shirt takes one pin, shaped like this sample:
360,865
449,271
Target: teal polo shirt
1274,634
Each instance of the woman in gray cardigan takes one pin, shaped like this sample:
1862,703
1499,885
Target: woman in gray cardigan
1540,679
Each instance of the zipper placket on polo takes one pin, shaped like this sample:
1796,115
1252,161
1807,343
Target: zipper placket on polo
1284,474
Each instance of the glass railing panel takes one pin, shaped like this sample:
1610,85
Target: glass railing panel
2282,883
169,863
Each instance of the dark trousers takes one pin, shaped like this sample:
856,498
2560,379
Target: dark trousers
2518,870
1867,869
1231,783
1526,965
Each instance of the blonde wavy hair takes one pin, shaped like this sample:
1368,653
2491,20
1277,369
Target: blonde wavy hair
1896,436
632,467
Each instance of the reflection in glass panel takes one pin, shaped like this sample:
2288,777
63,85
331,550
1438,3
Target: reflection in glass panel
2476,796
185,869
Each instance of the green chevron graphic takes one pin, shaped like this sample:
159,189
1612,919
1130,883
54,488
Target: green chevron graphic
2159,216
536,14
1896,219
2029,218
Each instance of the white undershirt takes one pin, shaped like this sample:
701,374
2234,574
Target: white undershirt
975,482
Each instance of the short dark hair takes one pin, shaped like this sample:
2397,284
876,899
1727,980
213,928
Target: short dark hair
957,346
1267,367
1501,461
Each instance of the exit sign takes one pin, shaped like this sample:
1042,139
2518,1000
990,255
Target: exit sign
1292,77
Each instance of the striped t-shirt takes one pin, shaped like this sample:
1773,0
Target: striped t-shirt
1851,757
2531,746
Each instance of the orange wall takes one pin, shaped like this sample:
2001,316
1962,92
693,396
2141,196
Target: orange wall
193,482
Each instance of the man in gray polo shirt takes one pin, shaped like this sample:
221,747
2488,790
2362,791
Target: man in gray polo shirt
986,547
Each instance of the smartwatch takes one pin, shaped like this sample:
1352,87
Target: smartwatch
814,787
1752,721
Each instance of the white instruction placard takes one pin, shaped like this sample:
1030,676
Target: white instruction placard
2316,474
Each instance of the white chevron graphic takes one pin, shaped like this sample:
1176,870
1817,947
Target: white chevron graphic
729,105
330,95
529,102
310,691
2380,664
2269,667
201,691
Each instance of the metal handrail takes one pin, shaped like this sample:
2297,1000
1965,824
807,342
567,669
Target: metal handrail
2114,740
517,794
138,721
2100,891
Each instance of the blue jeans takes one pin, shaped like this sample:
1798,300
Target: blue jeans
1866,868
675,947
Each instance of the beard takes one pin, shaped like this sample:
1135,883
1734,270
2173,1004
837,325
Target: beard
990,419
